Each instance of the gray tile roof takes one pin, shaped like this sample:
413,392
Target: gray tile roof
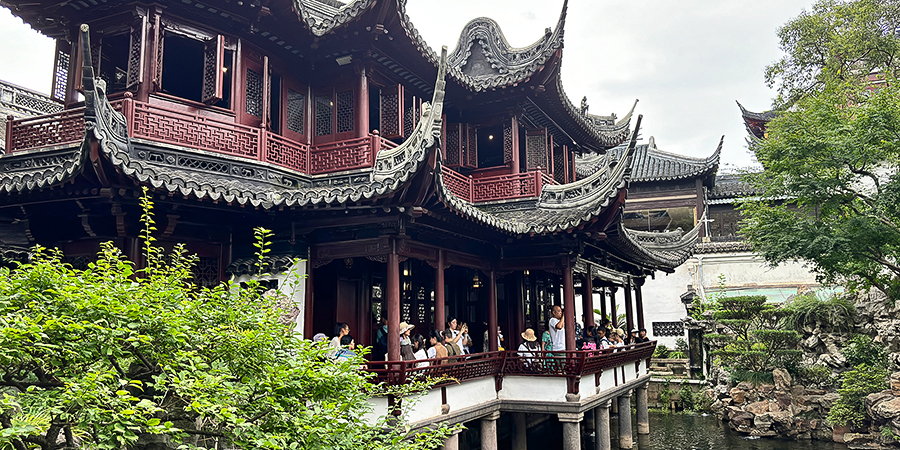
652,164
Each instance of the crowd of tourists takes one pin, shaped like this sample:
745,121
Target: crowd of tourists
438,346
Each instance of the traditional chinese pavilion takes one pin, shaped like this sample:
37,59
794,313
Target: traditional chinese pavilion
417,185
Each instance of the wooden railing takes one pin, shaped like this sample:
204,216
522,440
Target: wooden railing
495,187
569,364
195,130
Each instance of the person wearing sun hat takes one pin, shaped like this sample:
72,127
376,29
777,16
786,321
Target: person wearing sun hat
529,347
406,351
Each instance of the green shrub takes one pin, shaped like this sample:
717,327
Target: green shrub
661,351
815,374
855,386
863,350
665,395
686,398
808,310
755,341
757,378
677,355
682,346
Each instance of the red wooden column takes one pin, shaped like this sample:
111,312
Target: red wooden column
613,315
440,313
639,301
569,304
629,315
393,303
492,311
587,298
514,142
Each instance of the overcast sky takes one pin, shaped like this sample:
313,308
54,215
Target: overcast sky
686,61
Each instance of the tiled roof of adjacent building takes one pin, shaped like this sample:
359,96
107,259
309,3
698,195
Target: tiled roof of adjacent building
652,164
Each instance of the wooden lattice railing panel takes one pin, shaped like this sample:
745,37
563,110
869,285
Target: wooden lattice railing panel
287,153
459,185
194,131
49,130
505,187
342,155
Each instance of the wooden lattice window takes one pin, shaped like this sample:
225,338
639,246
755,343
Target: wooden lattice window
136,58
335,114
206,272
536,149
324,111
296,111
559,164
470,150
410,114
213,61
453,150
61,70
344,115
253,103
510,140
391,120
668,329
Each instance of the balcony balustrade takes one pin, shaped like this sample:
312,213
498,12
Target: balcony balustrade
197,131
496,187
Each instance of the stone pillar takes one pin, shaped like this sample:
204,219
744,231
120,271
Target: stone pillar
519,432
571,423
489,431
393,306
493,345
643,415
587,298
569,304
626,440
440,312
601,427
452,442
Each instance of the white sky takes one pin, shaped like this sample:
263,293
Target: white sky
687,61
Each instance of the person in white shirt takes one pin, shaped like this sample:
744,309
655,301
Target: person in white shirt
529,348
557,329
418,343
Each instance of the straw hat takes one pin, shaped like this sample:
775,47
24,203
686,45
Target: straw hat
404,327
619,332
528,335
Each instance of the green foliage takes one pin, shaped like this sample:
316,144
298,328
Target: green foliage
701,305
755,340
682,346
836,41
661,351
677,355
665,395
864,350
835,313
888,433
757,378
110,355
857,383
815,374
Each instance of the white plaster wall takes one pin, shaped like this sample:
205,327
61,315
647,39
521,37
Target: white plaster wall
379,409
744,271
428,405
471,393
291,283
533,388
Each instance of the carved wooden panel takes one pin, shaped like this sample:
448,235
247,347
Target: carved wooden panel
471,147
536,149
253,93
159,38
296,111
213,60
390,103
61,70
136,58
324,111
453,150
344,117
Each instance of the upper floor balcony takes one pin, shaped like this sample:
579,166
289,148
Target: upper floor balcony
179,126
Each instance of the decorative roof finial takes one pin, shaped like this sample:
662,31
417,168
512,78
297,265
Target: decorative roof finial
584,105
652,143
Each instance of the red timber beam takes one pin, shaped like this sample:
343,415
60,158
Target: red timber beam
569,303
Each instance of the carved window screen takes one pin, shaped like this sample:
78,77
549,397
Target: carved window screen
510,140
344,116
453,150
296,111
470,150
536,150
668,329
213,62
136,58
389,113
324,109
559,164
410,113
159,37
254,93
61,70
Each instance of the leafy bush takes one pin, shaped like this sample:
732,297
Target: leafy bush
677,355
863,350
682,346
661,351
855,386
755,340
815,374
113,354
808,310
757,378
